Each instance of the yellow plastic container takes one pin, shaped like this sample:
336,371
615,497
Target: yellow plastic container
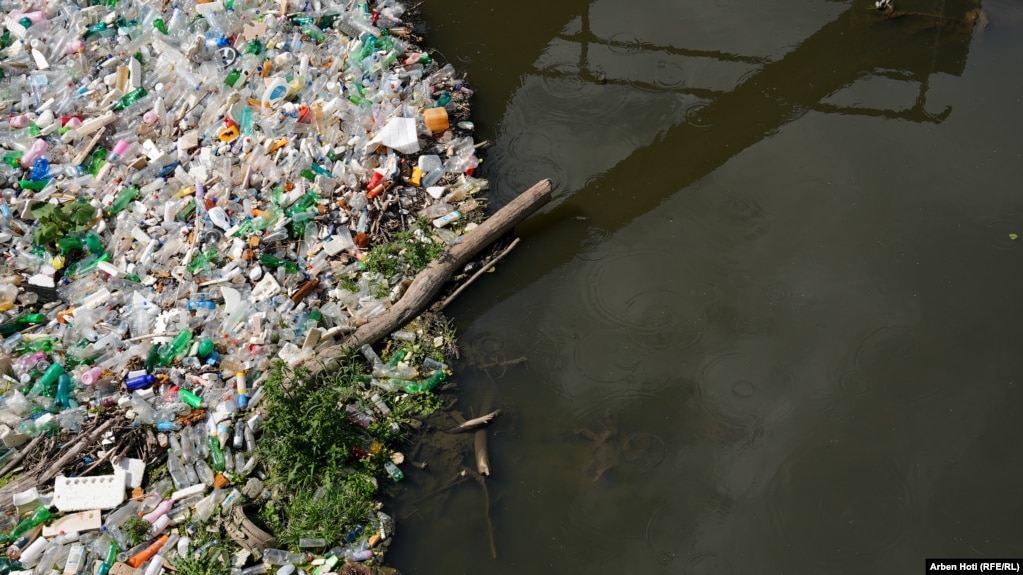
436,119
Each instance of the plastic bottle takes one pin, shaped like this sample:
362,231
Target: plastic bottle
243,391
177,472
393,471
276,556
148,553
45,381
31,555
155,565
38,517
109,558
159,511
117,517
216,454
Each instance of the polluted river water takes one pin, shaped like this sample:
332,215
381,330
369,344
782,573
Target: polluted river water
769,320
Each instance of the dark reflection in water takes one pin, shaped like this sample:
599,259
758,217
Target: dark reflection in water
770,321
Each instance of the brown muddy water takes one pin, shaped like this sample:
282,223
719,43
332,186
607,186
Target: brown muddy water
773,317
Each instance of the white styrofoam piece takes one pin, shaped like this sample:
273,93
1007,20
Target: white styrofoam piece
96,492
133,469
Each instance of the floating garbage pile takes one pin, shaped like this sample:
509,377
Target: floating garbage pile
197,197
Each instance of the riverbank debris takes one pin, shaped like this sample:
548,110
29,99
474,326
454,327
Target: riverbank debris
199,201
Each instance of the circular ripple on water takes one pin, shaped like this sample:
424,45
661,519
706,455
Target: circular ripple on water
632,290
643,453
624,45
604,356
854,383
882,358
486,348
695,116
527,171
667,77
665,534
565,93
595,246
562,81
749,214
685,334
838,503
708,564
744,391
530,143
547,356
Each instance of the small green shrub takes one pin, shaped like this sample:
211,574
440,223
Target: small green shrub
137,530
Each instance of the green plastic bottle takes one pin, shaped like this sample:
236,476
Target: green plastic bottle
273,262
176,348
130,98
46,381
39,516
68,244
418,386
190,399
65,386
123,199
93,242
14,326
215,453
109,558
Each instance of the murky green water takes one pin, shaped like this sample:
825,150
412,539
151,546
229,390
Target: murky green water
776,285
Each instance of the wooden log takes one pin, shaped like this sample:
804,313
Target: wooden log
428,282
480,447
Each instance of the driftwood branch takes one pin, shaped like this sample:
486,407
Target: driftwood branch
477,422
21,455
428,283
483,269
44,471
486,501
480,447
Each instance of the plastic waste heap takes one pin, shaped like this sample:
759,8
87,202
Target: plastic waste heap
189,191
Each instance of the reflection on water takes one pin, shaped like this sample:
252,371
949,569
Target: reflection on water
770,320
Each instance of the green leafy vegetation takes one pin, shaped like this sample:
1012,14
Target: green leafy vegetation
208,559
328,512
408,252
55,221
320,463
136,529
308,432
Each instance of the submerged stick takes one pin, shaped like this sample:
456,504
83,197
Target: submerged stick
490,525
483,269
475,423
456,481
479,442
